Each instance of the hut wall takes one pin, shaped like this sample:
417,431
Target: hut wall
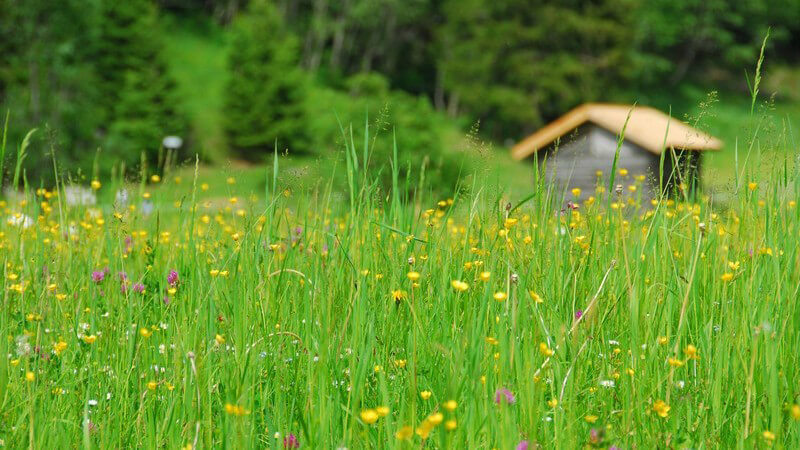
590,148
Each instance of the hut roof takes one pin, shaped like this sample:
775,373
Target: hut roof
646,128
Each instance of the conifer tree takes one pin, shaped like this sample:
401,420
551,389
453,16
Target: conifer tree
137,94
265,94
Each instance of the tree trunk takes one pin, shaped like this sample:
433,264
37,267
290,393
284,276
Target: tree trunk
339,36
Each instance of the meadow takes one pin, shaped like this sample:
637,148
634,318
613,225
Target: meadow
201,310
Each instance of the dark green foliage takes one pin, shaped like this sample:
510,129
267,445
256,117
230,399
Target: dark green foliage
136,91
515,64
678,40
89,74
264,100
47,79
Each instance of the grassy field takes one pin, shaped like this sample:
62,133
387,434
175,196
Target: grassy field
306,303
240,309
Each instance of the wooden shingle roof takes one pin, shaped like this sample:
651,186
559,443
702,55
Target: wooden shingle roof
646,128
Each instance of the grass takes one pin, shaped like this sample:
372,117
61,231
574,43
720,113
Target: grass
341,313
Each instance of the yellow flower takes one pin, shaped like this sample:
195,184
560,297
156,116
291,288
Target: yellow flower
459,285
404,433
152,385
590,418
485,275
794,411
752,185
29,376
220,339
510,223
236,410
155,178
500,296
662,340
59,347
425,395
400,363
369,416
413,276
675,362
398,296
450,405
623,172
727,276
661,408
553,402
545,350
145,332
691,352
450,425
424,429
576,192
535,297
768,435
96,184
89,339
435,419
378,368
382,411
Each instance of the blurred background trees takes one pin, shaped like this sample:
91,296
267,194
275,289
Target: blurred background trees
264,104
122,75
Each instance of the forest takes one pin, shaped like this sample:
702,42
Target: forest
114,77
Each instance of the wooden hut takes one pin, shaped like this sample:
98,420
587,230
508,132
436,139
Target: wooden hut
582,142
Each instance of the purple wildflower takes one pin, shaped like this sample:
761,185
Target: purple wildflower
122,276
138,287
502,395
523,445
291,441
578,314
172,277
596,436
98,276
